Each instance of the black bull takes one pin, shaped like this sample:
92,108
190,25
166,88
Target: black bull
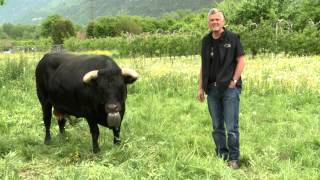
93,87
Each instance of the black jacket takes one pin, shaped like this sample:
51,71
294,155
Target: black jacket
229,49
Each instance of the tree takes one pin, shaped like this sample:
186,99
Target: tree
256,11
306,12
102,27
57,28
114,26
20,31
149,24
3,35
8,28
230,9
61,29
127,24
1,2
90,29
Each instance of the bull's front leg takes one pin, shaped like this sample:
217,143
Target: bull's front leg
116,135
94,130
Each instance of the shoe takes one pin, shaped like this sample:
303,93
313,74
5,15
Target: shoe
234,164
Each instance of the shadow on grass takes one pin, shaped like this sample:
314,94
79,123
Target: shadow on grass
245,162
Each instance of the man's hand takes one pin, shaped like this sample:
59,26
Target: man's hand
232,84
201,95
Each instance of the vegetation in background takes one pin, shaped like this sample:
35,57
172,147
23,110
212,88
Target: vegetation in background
20,31
83,11
289,26
147,45
114,26
57,28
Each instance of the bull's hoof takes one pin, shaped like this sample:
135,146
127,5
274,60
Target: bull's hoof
96,150
116,141
47,140
62,131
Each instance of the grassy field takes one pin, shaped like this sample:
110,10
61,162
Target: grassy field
166,133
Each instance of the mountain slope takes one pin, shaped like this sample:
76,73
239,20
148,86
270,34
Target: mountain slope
82,11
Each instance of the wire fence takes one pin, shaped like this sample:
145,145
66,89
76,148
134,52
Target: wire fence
29,52
35,52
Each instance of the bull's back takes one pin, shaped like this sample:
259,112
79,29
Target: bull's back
53,62
45,68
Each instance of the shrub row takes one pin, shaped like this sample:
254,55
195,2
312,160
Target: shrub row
262,38
149,45
266,37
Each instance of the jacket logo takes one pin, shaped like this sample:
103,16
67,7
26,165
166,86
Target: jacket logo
227,45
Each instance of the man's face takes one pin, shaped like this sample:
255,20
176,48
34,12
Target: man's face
215,22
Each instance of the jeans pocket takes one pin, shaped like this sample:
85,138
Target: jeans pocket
232,92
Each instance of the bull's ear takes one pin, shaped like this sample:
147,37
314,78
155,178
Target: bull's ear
89,76
129,75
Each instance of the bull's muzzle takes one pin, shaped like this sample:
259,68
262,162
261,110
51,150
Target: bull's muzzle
112,107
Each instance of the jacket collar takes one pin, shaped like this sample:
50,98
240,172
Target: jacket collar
223,35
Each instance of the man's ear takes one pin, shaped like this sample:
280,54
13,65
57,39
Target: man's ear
129,75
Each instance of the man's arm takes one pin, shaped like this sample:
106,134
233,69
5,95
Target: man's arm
200,89
238,71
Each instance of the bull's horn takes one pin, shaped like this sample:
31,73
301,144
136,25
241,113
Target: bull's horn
89,76
129,72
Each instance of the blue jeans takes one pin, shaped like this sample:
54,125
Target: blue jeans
223,106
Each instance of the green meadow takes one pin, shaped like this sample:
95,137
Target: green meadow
166,132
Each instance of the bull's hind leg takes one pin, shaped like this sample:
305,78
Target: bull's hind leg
62,123
46,110
61,120
116,136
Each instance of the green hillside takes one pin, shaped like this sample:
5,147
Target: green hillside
82,11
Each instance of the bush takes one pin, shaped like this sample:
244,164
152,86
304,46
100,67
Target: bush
149,45
57,28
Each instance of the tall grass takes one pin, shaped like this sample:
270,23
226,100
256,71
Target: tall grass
166,132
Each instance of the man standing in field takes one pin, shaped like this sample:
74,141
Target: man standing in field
222,62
